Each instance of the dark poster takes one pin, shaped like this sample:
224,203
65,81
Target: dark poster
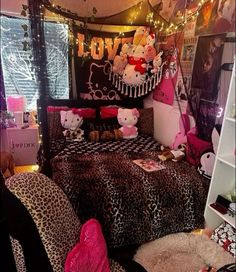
206,119
206,70
94,55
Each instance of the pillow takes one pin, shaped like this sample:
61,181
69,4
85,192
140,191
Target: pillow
57,108
145,123
108,112
90,254
195,148
86,113
225,236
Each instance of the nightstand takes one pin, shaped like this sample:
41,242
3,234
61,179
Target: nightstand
23,144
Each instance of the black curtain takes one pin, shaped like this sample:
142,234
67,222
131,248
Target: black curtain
2,90
40,65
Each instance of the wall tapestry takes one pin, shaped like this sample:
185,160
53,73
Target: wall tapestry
224,20
110,66
171,47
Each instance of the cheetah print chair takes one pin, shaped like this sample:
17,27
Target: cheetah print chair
41,222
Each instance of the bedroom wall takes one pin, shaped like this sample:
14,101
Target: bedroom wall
166,122
12,7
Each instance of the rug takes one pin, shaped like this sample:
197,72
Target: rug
181,252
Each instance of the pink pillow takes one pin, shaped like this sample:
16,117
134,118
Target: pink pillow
85,112
195,148
108,112
57,108
90,254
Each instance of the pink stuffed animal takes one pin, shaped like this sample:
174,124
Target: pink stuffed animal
128,118
181,136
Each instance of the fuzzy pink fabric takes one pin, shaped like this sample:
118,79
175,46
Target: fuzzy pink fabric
90,254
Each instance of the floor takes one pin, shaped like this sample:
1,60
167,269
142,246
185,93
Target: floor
26,168
21,169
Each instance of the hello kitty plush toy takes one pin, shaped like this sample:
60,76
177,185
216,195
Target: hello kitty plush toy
140,35
71,121
135,70
128,118
151,39
157,62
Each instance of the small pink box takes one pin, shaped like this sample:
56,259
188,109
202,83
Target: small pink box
16,103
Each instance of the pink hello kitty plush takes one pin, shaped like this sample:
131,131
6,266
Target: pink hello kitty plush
128,118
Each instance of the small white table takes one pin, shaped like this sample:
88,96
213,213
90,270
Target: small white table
23,144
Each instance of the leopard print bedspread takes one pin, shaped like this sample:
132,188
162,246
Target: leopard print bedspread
134,206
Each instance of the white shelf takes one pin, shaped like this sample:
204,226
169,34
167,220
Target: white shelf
225,217
231,119
223,177
228,159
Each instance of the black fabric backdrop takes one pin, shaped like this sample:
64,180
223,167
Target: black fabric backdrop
92,75
2,90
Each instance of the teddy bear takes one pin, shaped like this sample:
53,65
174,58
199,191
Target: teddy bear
107,135
128,118
71,122
174,155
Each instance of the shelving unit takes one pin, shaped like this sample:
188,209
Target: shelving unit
223,178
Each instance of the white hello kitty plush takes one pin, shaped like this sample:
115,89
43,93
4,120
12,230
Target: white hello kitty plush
72,122
128,118
151,39
157,62
135,70
131,76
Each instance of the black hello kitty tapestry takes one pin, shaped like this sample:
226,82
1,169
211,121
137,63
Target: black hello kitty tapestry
112,66
94,55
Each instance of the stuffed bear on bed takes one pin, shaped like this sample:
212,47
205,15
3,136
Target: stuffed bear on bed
72,122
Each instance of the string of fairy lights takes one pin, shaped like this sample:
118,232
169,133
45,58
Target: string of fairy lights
154,20
160,25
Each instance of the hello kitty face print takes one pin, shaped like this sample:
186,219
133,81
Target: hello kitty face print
132,77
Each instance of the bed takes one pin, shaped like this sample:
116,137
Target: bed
133,205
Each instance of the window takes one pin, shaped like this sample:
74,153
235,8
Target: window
16,55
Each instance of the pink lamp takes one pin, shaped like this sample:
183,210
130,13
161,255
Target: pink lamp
16,105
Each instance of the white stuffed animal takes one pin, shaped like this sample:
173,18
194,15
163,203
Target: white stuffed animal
140,35
207,160
151,39
131,76
157,62
128,118
72,122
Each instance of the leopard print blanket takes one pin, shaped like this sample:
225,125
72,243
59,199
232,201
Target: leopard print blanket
134,206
